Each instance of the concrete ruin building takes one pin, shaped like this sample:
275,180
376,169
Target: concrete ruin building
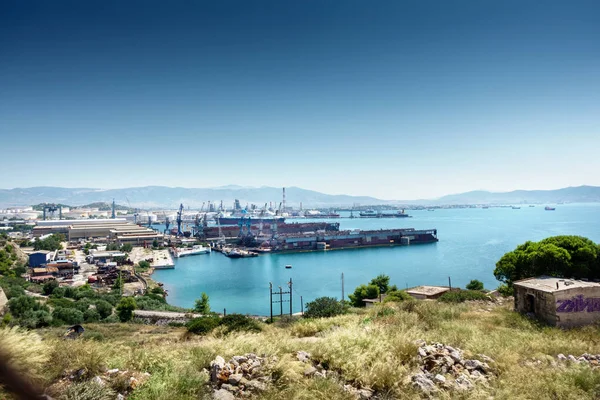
558,301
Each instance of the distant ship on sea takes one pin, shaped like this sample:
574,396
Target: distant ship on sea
548,208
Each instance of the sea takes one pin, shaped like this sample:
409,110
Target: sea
471,241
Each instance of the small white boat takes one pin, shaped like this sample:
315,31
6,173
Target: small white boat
194,250
288,266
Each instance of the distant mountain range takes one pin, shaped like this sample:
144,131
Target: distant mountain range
167,197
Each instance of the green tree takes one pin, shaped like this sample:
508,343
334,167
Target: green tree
118,285
475,285
397,296
202,305
104,308
126,248
323,307
382,281
69,316
125,309
51,243
19,306
561,256
49,287
155,243
91,315
363,292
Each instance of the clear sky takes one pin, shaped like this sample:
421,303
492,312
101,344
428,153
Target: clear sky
394,99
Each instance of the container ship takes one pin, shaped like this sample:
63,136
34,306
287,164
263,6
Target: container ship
351,239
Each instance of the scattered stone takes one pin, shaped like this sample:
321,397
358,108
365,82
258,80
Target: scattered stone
257,386
310,371
112,371
303,356
441,379
120,397
223,394
423,383
572,359
235,379
463,383
98,380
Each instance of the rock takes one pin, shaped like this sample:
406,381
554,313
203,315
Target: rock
561,357
486,358
229,388
120,397
429,349
98,380
422,352
582,359
463,383
455,355
255,385
477,375
223,394
421,382
216,366
133,383
430,364
365,394
474,364
112,371
303,356
572,359
240,359
448,361
310,371
235,379
441,379
450,349
321,374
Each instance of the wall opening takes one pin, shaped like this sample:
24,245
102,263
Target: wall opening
530,303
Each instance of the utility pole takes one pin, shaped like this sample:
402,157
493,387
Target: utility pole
302,305
271,302
280,301
343,287
449,283
290,297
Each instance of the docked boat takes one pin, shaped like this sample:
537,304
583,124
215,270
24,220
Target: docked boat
253,220
190,251
368,214
238,253
516,208
399,214
548,208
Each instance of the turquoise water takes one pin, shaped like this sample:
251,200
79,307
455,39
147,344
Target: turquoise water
471,241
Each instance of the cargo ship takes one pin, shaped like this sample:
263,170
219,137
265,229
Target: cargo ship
548,208
192,251
268,228
351,239
375,214
244,220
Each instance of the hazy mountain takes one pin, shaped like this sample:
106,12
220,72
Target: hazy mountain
579,194
161,196
167,197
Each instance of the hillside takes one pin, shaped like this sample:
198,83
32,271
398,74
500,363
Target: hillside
161,196
167,197
370,353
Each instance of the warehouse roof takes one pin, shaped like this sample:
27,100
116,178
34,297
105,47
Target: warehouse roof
552,284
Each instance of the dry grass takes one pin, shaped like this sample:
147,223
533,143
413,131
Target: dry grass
373,348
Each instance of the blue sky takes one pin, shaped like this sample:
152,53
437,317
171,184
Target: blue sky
394,99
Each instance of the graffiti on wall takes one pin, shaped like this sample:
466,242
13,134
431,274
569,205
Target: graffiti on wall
578,304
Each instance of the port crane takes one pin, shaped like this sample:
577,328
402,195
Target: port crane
51,209
167,222
149,219
135,211
179,219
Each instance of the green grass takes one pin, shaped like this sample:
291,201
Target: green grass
372,348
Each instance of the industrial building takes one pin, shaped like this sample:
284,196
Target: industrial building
41,257
560,302
115,230
427,292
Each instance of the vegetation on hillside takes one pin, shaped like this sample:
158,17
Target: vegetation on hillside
51,243
562,256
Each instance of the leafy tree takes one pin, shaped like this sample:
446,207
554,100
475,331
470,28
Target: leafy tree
127,248
363,292
67,316
20,305
397,296
561,256
118,285
49,287
203,325
125,309
36,319
104,308
382,281
144,264
51,243
91,315
323,307
475,285
202,305
155,243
